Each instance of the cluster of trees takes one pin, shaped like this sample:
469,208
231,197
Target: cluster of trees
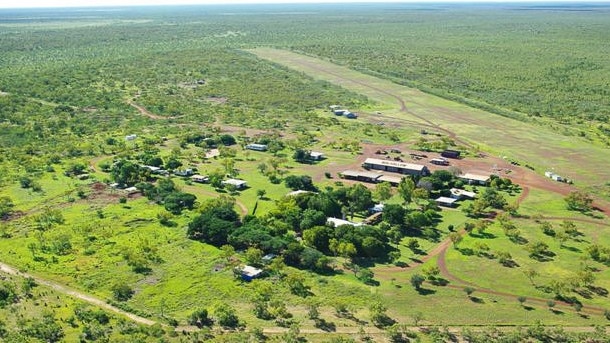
165,192
304,215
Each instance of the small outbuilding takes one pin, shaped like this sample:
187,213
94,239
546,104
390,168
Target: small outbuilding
249,273
200,178
130,137
446,202
316,156
239,184
460,194
257,147
451,154
472,178
439,161
338,222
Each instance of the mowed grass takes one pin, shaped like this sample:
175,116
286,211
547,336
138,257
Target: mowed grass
543,147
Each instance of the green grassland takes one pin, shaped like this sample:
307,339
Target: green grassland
72,97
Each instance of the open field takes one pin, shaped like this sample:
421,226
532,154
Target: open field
100,138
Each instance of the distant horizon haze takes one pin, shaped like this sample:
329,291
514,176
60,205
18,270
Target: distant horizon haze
122,3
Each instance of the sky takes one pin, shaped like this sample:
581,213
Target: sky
83,3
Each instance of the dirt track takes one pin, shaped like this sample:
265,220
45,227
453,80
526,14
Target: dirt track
76,294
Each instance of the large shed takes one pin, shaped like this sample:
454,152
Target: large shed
396,167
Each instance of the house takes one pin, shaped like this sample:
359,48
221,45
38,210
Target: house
377,208
130,137
439,161
257,147
316,156
200,178
239,184
451,154
350,115
396,167
361,176
446,202
475,178
334,107
460,194
297,192
338,222
156,170
184,172
249,273
392,180
339,112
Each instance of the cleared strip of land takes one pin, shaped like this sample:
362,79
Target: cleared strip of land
570,156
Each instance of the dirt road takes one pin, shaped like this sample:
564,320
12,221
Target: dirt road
5,268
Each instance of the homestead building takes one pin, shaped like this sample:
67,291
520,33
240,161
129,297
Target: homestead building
396,167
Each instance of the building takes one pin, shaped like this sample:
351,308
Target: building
249,273
554,176
460,194
338,222
364,176
316,156
184,172
339,112
350,115
377,208
334,107
297,193
200,178
257,147
439,161
475,178
130,137
392,180
396,167
446,202
239,184
451,154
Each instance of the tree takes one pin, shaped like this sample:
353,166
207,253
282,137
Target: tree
260,193
379,318
405,189
455,238
579,201
531,274
301,155
469,291
200,318
296,284
122,291
45,329
225,315
177,201
416,281
6,206
254,256
383,191
359,198
521,299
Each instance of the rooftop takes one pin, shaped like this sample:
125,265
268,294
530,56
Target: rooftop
356,173
475,177
389,163
338,222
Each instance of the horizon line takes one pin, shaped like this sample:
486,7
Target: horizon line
314,2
